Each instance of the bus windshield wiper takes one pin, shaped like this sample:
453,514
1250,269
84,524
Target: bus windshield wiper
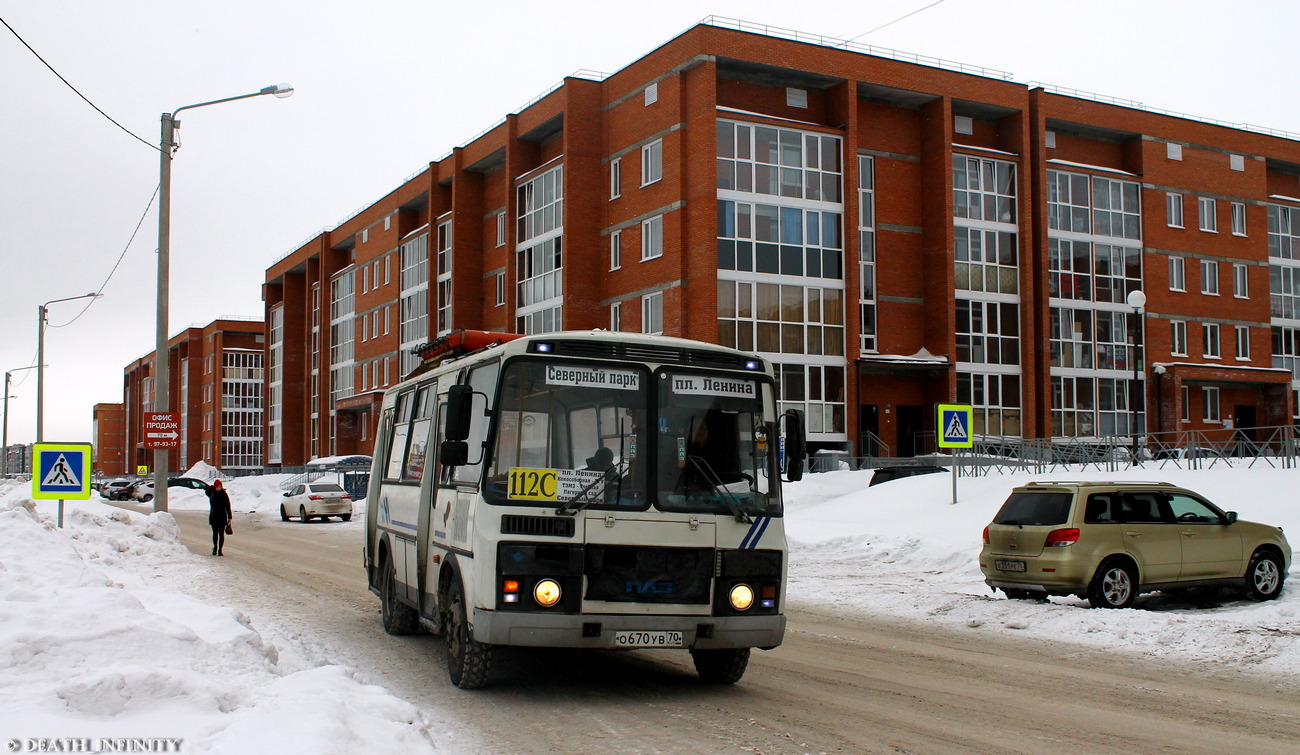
588,495
702,466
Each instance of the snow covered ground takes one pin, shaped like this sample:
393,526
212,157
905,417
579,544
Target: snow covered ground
100,639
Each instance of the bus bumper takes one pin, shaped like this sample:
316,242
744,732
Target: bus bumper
599,630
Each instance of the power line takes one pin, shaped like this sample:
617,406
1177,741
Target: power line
74,89
891,23
129,241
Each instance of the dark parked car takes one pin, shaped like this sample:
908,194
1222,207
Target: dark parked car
885,474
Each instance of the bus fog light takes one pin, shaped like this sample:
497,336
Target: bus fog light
742,597
547,592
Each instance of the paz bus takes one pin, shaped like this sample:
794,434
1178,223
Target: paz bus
583,490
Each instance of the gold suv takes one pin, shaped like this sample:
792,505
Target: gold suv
1109,541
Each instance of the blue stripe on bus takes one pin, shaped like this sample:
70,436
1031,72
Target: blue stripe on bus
755,533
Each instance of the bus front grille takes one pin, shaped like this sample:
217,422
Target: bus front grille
519,524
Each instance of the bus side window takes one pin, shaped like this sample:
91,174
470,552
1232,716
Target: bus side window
401,431
483,381
413,470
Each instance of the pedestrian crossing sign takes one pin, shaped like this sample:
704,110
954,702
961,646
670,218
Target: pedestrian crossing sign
61,470
954,426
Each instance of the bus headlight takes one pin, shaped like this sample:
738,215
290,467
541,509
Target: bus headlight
742,597
547,592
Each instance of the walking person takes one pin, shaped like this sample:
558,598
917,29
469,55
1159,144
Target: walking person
219,516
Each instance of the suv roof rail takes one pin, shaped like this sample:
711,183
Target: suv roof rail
1101,482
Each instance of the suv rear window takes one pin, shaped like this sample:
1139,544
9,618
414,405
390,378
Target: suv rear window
1032,508
325,487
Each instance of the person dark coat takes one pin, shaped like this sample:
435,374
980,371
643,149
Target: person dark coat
219,515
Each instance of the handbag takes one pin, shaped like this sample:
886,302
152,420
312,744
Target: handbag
230,530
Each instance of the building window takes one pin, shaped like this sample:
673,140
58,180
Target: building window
652,313
1177,274
615,250
1211,408
1174,210
1243,343
1086,271
652,162
501,229
1187,404
275,384
1286,350
781,319
985,189
995,401
616,178
1238,218
1049,138
818,391
867,253
1208,221
1210,333
1240,281
986,260
1067,202
652,238
988,332
1209,277
1178,338
539,263
1283,235
778,162
616,316
1116,209
771,239
500,289
413,304
444,278
342,321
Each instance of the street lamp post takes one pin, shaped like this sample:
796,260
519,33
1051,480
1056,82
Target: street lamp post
1138,301
161,368
4,435
40,360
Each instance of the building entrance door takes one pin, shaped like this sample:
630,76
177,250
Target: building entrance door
869,430
911,423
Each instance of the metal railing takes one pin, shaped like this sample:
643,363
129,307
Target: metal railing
1276,447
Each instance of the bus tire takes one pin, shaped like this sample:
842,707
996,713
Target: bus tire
468,660
399,618
724,666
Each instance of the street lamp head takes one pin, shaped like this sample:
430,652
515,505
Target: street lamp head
279,90
1137,299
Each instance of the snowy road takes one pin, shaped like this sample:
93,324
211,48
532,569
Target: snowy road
840,683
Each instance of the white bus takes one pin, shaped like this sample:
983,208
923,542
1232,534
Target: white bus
584,490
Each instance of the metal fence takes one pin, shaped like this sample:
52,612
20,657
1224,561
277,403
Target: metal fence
1276,447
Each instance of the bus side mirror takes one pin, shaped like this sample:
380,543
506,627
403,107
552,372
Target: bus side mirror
460,402
453,453
795,445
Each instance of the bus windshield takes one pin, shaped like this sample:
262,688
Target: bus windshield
569,432
715,450
578,435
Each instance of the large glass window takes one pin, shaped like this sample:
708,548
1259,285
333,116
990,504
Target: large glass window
539,257
983,189
770,239
867,253
777,319
275,382
342,303
778,162
994,400
988,332
986,260
413,308
444,278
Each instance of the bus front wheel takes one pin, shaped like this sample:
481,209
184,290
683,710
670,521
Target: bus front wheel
468,660
724,666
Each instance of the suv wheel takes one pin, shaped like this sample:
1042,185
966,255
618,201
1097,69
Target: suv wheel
1264,576
1113,586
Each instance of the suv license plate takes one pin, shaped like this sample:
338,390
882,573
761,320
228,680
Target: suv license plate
648,640
1009,565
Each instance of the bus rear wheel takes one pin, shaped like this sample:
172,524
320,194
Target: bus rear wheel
468,660
398,617
724,666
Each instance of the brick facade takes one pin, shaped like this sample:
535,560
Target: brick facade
945,293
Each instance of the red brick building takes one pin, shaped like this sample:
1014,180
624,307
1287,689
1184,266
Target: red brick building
216,387
109,430
892,232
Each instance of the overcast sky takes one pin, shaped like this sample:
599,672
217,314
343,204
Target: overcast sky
385,87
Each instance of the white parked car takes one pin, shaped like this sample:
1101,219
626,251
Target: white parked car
311,499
